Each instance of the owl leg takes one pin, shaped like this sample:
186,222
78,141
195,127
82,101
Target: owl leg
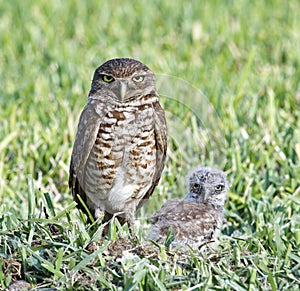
130,222
123,218
107,217
129,218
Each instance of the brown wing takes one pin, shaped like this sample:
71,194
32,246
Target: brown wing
198,222
168,207
161,148
184,210
189,221
87,131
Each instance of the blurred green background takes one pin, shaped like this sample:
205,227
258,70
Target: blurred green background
240,58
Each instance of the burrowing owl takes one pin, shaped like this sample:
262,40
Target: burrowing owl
198,217
120,147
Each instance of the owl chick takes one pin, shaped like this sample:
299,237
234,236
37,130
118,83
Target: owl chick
198,217
120,147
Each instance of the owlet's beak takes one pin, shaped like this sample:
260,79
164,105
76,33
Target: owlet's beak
205,195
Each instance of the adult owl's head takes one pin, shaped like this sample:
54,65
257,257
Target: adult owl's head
207,185
122,80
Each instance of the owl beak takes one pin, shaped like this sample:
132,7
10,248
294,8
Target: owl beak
205,195
123,89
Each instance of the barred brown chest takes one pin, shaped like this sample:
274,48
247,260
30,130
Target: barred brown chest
122,161
119,151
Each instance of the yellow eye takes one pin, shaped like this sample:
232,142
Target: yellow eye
138,79
107,78
218,187
195,187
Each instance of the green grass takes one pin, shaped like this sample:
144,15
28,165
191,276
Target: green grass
228,75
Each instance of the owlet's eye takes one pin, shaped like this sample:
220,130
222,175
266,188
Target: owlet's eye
195,187
138,79
218,187
107,78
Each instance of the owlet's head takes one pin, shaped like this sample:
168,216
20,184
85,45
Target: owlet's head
207,185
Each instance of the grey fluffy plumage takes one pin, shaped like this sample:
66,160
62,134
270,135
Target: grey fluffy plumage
197,218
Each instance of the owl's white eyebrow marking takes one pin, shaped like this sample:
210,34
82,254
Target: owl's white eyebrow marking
141,73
